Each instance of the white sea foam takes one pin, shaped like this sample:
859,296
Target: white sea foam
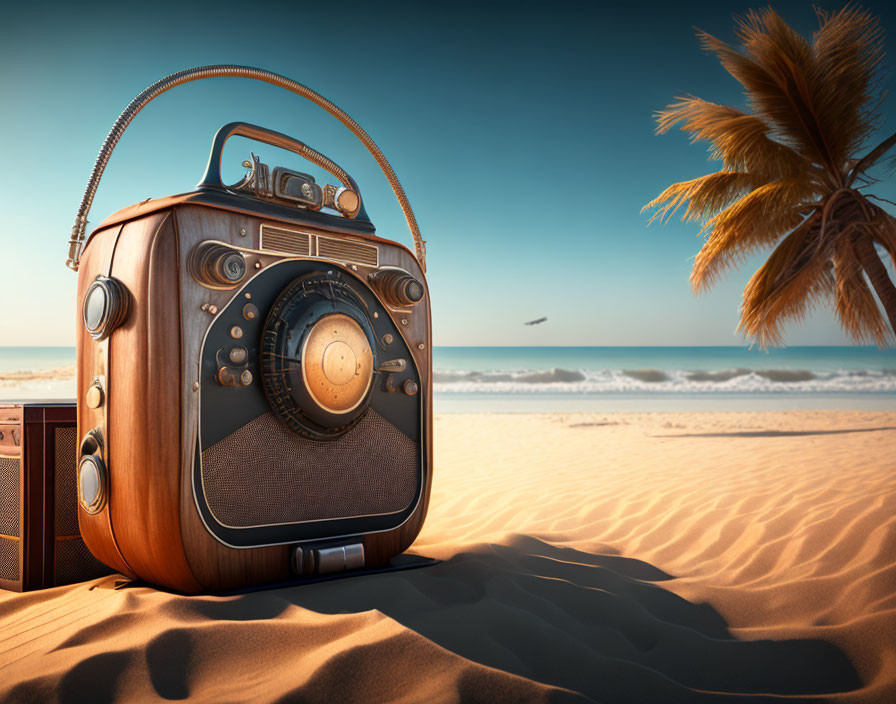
666,381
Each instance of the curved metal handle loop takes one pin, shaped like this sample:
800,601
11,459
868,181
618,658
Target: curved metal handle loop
137,104
212,178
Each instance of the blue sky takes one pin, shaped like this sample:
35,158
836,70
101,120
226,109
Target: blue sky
523,135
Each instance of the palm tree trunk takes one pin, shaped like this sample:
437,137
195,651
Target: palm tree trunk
877,274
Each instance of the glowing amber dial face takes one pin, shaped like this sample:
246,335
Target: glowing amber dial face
337,363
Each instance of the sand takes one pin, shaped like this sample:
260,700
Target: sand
744,557
54,383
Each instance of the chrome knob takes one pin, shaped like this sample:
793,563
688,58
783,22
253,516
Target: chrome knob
397,287
105,307
217,265
92,483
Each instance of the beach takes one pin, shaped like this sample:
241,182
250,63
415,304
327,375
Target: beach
605,557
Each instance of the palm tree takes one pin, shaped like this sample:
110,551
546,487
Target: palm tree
790,175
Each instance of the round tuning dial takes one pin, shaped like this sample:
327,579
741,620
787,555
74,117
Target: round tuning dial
398,287
318,356
105,307
217,265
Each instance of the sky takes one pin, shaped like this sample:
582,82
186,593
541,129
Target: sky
522,133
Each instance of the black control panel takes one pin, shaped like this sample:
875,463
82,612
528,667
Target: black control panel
231,383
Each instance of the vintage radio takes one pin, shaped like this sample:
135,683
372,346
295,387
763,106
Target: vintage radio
254,373
40,545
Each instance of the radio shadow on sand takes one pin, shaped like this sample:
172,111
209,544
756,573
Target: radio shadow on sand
597,626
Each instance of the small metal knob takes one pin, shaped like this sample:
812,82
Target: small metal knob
230,376
397,287
410,387
217,265
94,397
238,355
347,202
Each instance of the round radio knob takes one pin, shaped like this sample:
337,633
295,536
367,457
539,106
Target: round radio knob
92,483
398,287
347,202
217,265
105,307
229,376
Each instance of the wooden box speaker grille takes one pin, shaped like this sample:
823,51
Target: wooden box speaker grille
40,544
262,474
9,519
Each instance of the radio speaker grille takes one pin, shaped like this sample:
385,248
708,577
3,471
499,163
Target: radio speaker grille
280,240
9,559
262,474
74,563
9,496
66,494
345,251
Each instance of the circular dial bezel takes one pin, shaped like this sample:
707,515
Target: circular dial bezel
98,467
114,306
288,379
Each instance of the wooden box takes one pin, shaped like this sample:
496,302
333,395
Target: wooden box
40,544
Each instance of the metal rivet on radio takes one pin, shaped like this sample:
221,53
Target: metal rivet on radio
387,339
404,321
195,386
236,332
410,387
213,310
421,346
258,265
242,232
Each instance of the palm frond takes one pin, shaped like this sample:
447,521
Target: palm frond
848,50
794,279
739,140
856,307
786,88
704,196
758,219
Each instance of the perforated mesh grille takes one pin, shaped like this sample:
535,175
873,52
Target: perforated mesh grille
9,559
9,496
74,563
66,490
263,474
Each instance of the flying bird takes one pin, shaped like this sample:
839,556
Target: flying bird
537,321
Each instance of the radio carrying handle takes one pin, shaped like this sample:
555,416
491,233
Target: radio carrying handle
76,242
212,177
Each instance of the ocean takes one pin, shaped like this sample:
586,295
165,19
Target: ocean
662,378
561,379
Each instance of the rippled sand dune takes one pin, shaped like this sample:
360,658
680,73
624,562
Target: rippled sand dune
743,557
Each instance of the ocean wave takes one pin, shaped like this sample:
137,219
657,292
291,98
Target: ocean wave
665,381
